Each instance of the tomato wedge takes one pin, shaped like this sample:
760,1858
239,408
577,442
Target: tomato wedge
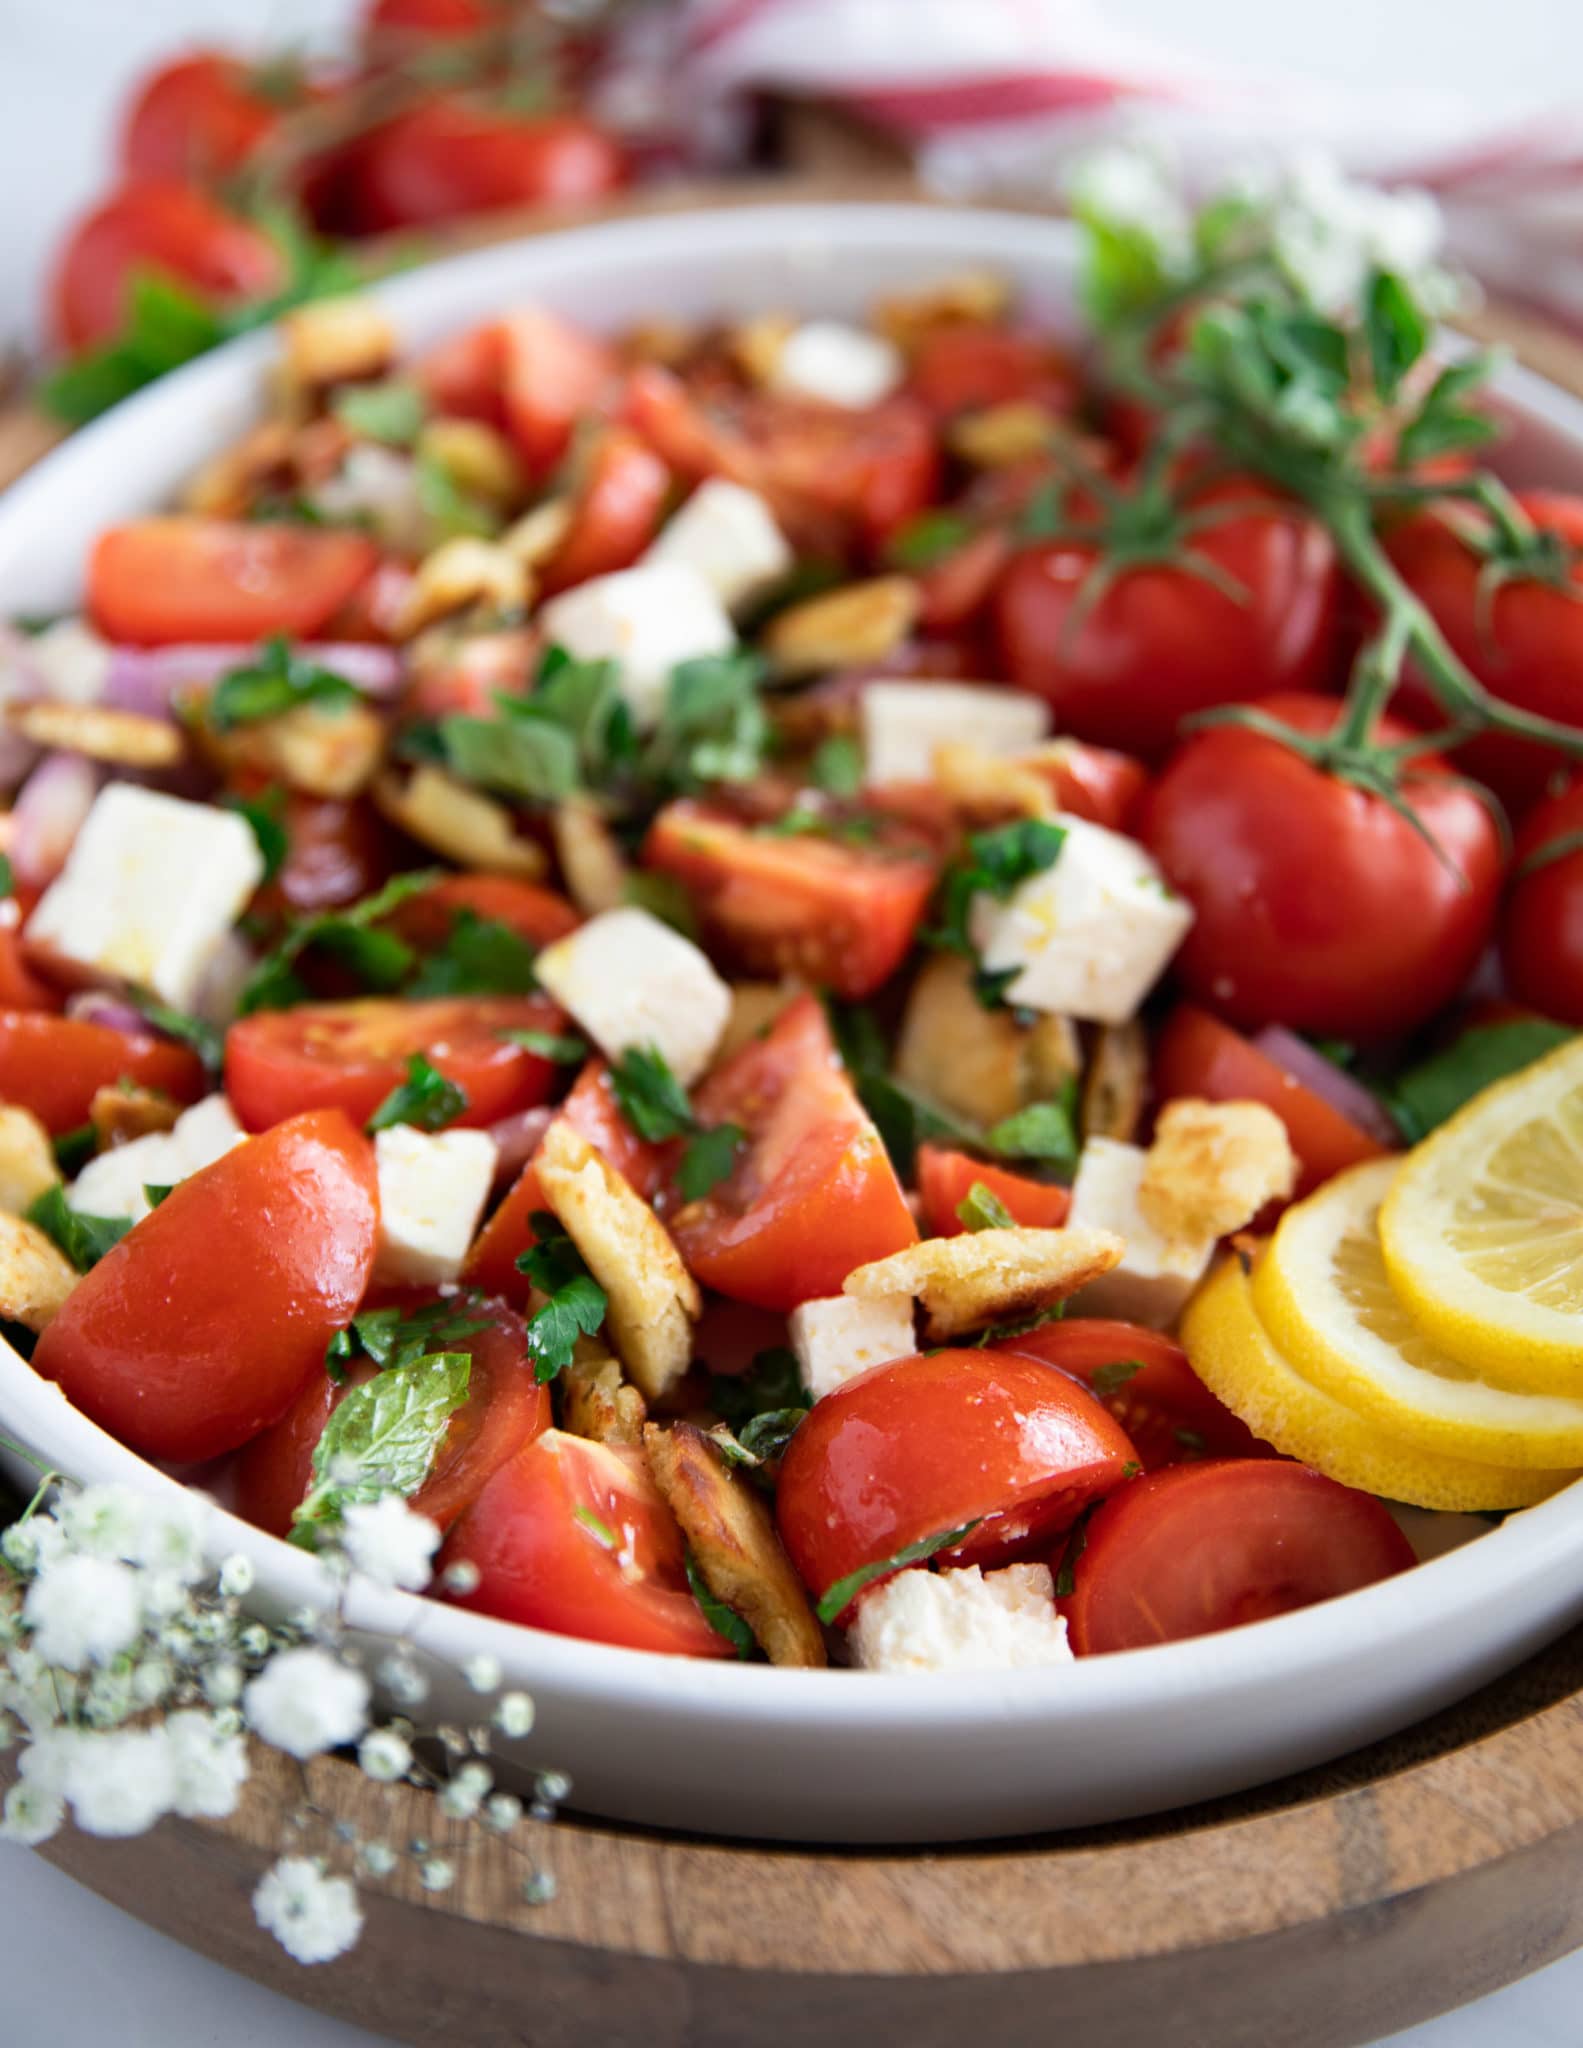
813,1194
204,1323
575,1537
1202,1548
946,1178
538,915
552,373
505,1409
185,578
351,1055
616,512
839,915
55,1066
923,1446
971,364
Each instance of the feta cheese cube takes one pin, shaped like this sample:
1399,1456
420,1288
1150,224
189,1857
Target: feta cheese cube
150,890
630,980
903,723
113,1184
646,620
1156,1275
841,365
432,1190
965,1620
1090,935
728,534
836,1339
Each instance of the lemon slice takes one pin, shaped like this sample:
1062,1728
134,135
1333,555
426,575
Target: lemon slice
1483,1229
1233,1355
1322,1292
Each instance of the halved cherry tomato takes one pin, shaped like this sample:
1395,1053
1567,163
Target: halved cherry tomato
970,364
351,1055
575,1537
449,157
955,591
465,374
1147,1384
202,1326
1093,782
200,117
1201,1548
946,1178
1195,1054
813,1194
552,374
1542,929
178,578
505,1409
615,513
55,1066
538,915
465,672
20,987
925,1445
336,852
155,226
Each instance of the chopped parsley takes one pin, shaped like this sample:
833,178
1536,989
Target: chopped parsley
656,1105
83,1239
276,682
426,1100
837,766
392,412
353,937
575,1305
993,865
1110,1378
839,1597
479,956
560,1048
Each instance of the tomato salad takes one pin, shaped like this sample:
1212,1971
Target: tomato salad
686,948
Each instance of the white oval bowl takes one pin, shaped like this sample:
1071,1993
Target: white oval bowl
835,1756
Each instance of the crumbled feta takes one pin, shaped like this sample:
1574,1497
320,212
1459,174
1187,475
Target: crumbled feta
379,488
151,888
1156,1274
629,980
113,1183
963,1620
432,1190
71,661
729,535
1091,934
903,723
841,365
837,1338
646,620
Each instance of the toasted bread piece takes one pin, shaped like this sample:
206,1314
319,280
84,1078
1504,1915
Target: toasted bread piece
125,739
1116,1083
964,1284
35,1278
459,822
27,1159
597,1402
980,1064
119,1114
1212,1167
593,867
859,622
319,751
983,788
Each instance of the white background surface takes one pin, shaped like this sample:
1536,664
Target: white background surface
77,1971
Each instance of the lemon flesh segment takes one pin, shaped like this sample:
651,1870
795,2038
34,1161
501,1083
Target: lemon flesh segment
1233,1354
1482,1230
1323,1294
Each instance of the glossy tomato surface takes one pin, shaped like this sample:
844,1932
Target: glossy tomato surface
452,156
179,578
1202,1548
1542,925
947,1178
575,1537
427,919
1316,904
54,1066
969,365
813,1193
337,852
202,1326
549,374
199,118
620,500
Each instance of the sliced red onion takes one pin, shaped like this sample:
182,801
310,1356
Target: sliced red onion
517,1138
48,814
103,1006
145,679
1325,1079
19,678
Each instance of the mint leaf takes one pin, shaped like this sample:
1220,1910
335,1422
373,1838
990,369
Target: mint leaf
772,1385
379,960
1046,1131
837,766
721,1618
993,864
1427,1095
392,412
839,1597
83,1239
426,1100
765,1437
563,1049
166,325
277,682
982,1209
710,1158
480,956
395,1337
382,1438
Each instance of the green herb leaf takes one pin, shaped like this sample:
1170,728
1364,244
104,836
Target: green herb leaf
713,727
1076,1544
840,1596
7,876
1427,1095
1395,328
772,1385
929,539
394,1337
480,956
166,325
451,511
529,758
765,1437
837,766
721,1618
649,1095
264,817
564,1049
710,1158
993,864
277,682
154,1193
392,412
662,896
1111,1377
378,959
1122,272
982,1209
196,1032
83,1239
1046,1131
382,1438
576,1305
597,1527
338,1354
73,1149
426,1100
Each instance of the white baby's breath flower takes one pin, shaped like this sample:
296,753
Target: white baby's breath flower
514,1714
402,1679
162,1531
384,1755
28,1546
222,1683
236,1577
30,1815
466,1792
208,1765
435,1874
482,1672
83,1610
305,1701
377,1858
390,1544
313,1916
1127,185
1328,232
107,1699
151,1680
463,1577
119,1784
503,1811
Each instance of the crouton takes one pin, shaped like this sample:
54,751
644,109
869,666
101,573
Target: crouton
964,1284
27,1159
996,436
755,345
125,739
1116,1082
593,866
122,1111
1212,1167
476,457
35,1278
983,788
458,573
907,318
861,622
979,1064
228,483
461,823
333,341
320,751
596,1401
537,534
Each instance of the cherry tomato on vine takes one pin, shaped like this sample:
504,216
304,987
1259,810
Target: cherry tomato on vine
201,118
1542,925
451,156
426,18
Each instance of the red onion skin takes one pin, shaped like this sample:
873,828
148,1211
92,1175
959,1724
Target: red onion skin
102,1006
145,679
1322,1077
517,1138
48,814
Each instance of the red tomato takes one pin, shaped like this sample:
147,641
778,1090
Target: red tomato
538,915
200,117
154,225
1316,904
551,375
351,1055
465,374
971,364
1093,782
946,1178
336,853
925,1445
202,1326
1521,638
1195,1054
54,1066
954,591
1147,1384
615,514
180,578
20,987
1542,930
813,1194
1160,642
575,1537
426,18
840,916
504,1410
1206,1547
450,157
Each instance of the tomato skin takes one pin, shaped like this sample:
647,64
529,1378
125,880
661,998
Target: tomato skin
203,1324
174,578
505,1409
54,1066
551,375
538,915
154,224
349,1056
945,1178
971,364
447,157
1195,1054
813,1193
1542,928
1096,783
540,1566
20,987
1161,643
196,118
913,1448
336,852
1157,1404
426,18
842,917
1200,1548
955,591
1316,905
616,514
